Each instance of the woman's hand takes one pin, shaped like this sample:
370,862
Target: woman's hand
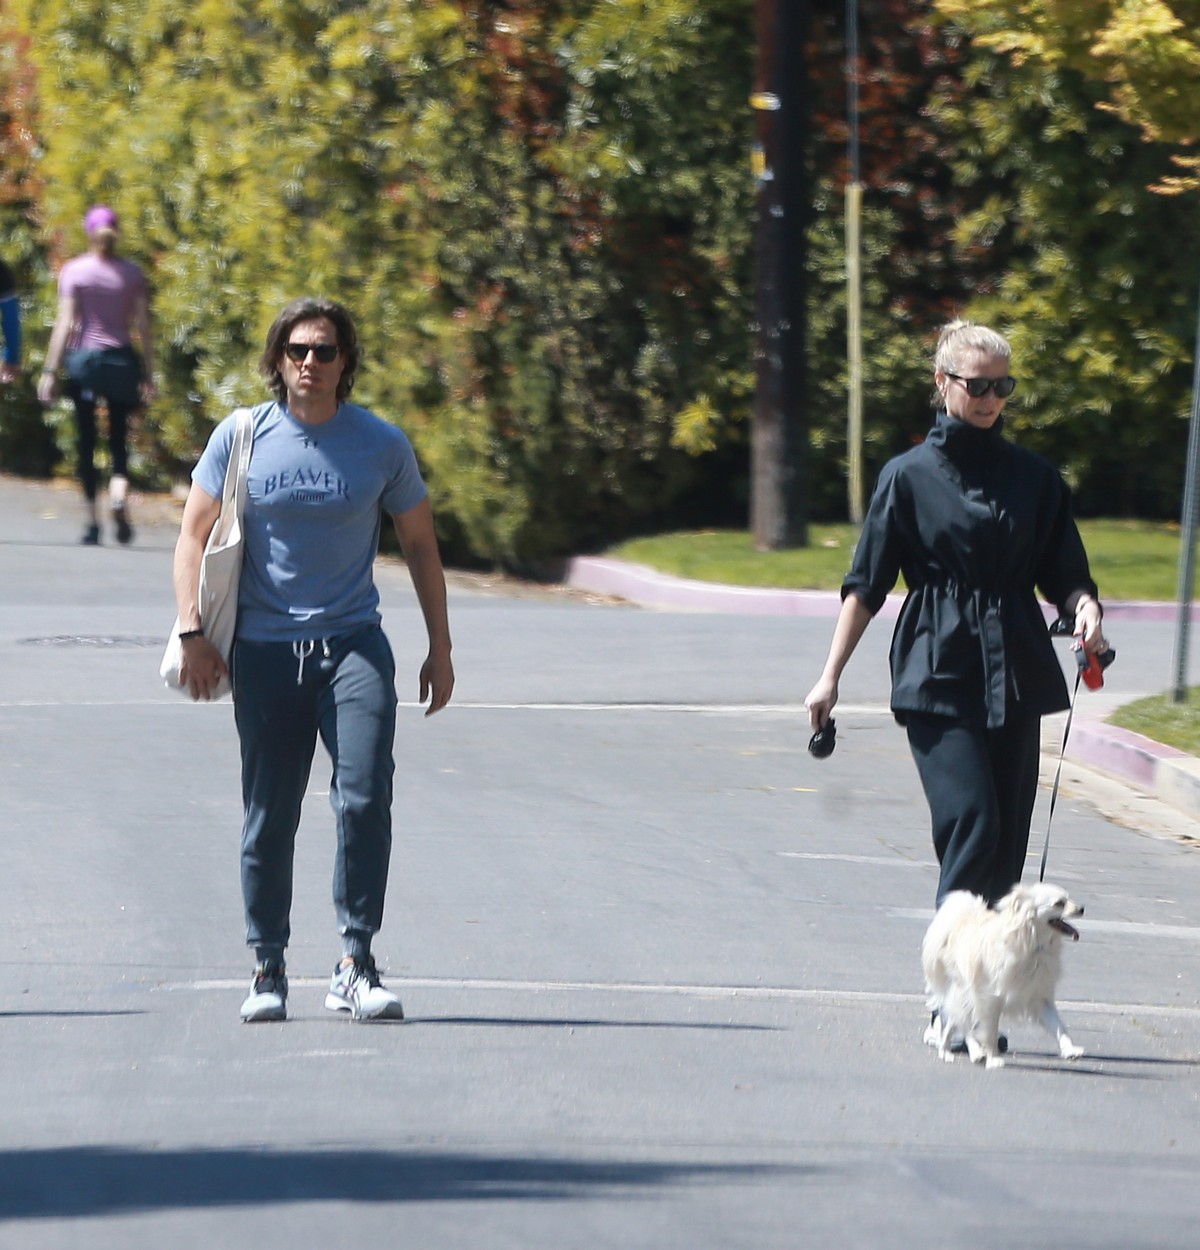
47,388
820,702
1088,624
852,620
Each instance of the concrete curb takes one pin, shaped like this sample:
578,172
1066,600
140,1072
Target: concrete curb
1168,774
649,588
1165,773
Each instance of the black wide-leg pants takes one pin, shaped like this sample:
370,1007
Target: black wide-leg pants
981,785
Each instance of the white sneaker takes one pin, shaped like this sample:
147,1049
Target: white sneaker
267,999
356,988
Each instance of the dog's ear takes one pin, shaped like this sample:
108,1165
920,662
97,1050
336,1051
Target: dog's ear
1013,902
1018,907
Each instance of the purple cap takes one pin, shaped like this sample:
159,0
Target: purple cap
100,217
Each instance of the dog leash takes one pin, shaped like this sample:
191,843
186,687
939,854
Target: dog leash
1058,776
1101,662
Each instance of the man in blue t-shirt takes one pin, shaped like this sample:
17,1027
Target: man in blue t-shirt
309,656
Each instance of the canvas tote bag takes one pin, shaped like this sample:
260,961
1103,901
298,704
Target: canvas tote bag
221,565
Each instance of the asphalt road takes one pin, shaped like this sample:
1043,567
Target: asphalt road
660,967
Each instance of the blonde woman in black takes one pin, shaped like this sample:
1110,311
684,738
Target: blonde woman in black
977,526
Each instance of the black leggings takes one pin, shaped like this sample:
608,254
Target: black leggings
85,428
981,785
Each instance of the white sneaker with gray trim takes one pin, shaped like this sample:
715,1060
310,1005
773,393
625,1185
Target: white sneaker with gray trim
267,999
356,988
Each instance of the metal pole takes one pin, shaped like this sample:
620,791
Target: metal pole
854,481
1187,534
854,484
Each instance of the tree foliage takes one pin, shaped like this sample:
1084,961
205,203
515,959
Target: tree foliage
1146,52
916,275
538,212
1096,289
542,215
26,444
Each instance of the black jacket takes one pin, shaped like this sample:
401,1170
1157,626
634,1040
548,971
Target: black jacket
974,524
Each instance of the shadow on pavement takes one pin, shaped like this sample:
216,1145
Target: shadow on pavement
1087,1065
97,1180
541,1022
54,1015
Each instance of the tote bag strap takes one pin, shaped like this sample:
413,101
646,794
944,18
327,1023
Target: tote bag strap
233,497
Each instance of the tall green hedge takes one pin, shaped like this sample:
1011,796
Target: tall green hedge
543,217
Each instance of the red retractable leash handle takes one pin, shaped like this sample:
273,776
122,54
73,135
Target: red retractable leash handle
1093,663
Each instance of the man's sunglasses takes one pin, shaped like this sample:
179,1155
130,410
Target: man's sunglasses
324,352
977,388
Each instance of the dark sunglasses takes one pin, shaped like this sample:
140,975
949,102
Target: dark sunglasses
324,352
977,388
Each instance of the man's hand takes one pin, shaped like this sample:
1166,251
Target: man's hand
437,681
202,667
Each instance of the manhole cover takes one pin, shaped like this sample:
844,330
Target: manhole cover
92,640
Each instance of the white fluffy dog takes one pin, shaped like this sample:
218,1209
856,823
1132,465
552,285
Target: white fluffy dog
981,963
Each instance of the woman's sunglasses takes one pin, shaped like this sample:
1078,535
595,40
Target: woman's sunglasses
324,352
977,388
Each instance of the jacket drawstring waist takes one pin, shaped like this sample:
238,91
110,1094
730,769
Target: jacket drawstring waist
991,646
986,607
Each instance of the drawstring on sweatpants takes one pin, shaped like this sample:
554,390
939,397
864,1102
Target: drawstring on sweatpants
302,650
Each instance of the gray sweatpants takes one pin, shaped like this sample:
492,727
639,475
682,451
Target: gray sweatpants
284,695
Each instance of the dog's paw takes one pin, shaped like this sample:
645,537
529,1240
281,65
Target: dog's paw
1068,1050
995,1061
946,1056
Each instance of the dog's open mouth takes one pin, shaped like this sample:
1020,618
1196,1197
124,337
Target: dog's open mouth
1061,925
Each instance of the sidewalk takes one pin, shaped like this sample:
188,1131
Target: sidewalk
1160,771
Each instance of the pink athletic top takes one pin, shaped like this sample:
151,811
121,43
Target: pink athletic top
105,290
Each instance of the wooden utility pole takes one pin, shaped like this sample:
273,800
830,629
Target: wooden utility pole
779,506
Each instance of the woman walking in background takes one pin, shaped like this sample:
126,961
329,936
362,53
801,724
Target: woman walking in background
102,302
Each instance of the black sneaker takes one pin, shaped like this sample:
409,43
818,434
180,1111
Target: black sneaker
267,999
91,536
121,521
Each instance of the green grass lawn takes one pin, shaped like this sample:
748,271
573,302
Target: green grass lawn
1176,724
1130,560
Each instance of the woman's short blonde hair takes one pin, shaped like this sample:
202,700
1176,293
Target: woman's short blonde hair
958,337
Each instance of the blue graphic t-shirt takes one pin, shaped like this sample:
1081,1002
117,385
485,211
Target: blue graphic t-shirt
312,517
